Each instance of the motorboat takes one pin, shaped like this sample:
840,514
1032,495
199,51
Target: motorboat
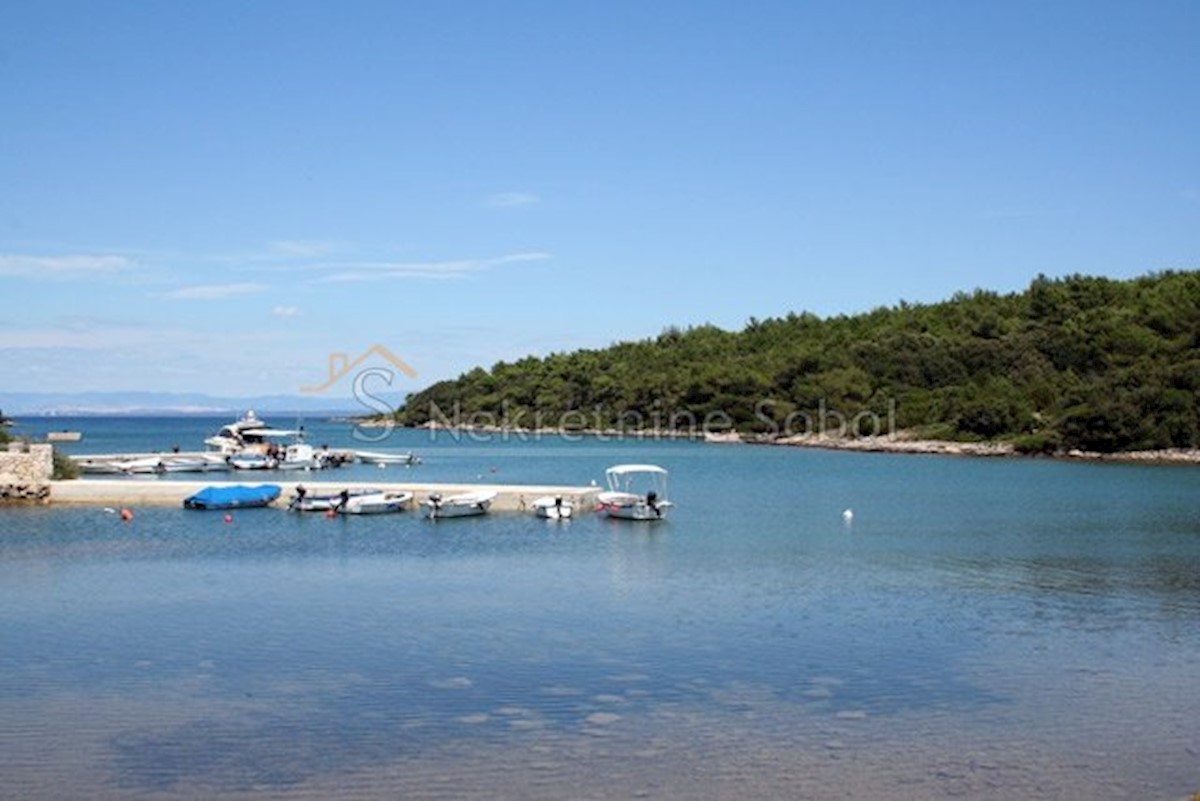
635,492
191,464
300,456
145,466
252,461
97,467
304,501
465,505
376,503
383,458
238,496
553,507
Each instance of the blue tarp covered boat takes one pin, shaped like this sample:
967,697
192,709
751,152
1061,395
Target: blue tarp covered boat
240,496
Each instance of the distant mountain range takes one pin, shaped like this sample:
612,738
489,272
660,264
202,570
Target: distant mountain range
69,404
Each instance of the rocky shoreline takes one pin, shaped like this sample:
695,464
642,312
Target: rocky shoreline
900,443
904,445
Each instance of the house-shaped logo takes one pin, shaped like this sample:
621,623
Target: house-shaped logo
340,366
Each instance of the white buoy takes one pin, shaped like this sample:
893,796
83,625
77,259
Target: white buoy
848,516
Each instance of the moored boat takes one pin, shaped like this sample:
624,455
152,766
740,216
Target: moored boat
553,507
466,504
144,466
376,503
237,496
192,464
299,456
383,458
247,434
635,492
252,461
304,501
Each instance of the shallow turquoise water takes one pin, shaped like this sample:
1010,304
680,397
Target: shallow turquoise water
990,628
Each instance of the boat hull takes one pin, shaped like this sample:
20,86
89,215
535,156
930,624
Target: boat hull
251,462
625,506
384,459
553,508
436,508
377,504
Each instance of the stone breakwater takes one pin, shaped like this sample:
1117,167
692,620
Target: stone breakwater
25,472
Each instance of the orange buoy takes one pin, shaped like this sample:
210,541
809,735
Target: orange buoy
126,514
228,518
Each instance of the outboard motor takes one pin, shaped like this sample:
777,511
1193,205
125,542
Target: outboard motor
652,502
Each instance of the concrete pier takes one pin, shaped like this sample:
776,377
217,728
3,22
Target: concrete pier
155,492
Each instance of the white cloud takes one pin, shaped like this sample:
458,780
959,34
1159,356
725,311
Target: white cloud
444,270
285,311
508,200
89,338
214,291
533,255
302,248
16,265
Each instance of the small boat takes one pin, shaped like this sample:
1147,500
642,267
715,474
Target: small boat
383,458
464,505
237,496
252,461
190,464
300,456
376,503
144,466
304,501
64,436
97,467
553,507
635,492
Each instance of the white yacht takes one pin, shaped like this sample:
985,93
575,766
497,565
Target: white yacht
250,434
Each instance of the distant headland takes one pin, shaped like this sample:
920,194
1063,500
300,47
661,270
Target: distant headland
1083,367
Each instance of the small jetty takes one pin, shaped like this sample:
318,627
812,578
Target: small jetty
126,492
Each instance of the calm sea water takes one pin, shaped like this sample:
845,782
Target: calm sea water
989,629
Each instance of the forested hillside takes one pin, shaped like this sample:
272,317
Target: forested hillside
1079,362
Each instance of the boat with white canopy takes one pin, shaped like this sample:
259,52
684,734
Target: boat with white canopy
635,492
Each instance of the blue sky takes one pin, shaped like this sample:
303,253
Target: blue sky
214,196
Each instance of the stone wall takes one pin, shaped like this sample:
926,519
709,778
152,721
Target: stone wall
25,472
